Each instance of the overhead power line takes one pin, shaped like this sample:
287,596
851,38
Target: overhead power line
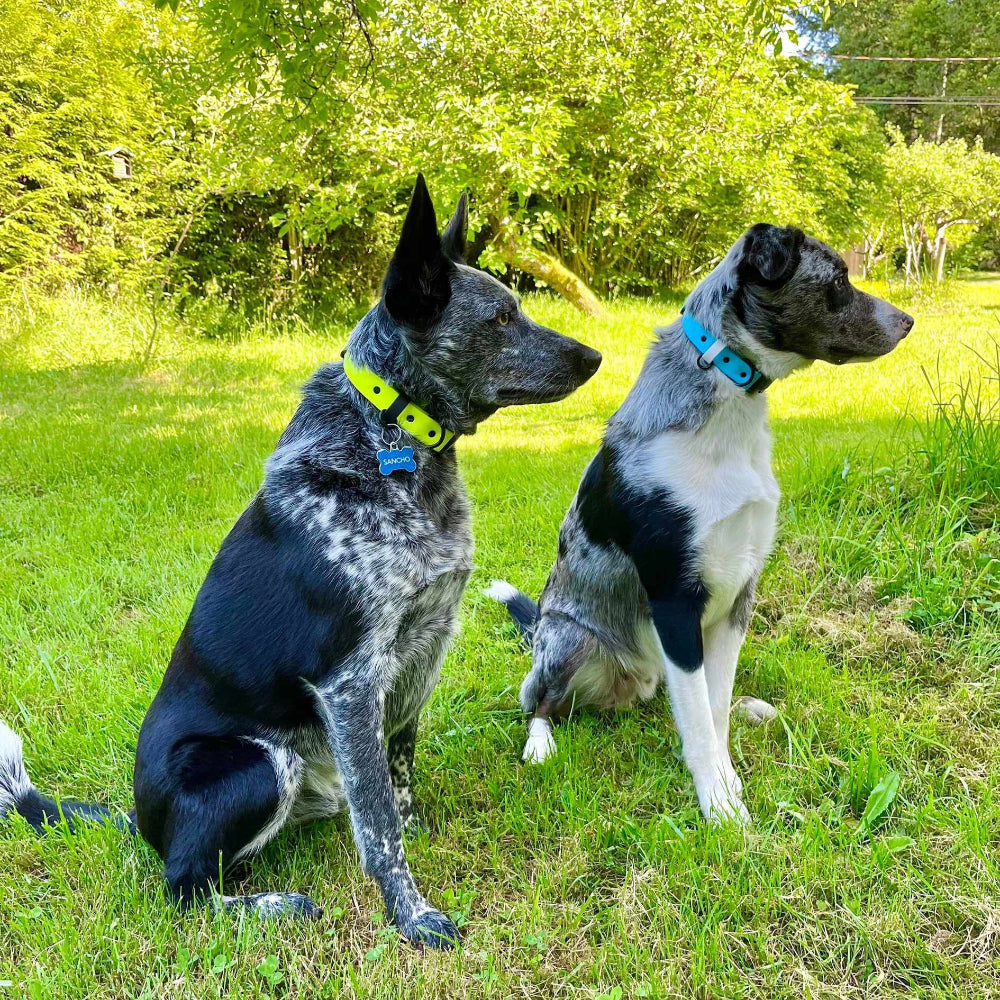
982,102
929,59
943,99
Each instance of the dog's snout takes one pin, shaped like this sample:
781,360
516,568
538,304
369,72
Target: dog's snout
904,324
589,360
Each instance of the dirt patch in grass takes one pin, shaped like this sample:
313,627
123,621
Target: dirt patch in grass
848,617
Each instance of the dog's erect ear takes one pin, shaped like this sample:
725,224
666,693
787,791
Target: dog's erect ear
416,287
453,238
771,254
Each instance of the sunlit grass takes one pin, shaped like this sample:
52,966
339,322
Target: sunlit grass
876,636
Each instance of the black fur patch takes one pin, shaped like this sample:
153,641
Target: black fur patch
259,518
678,624
321,478
598,514
203,761
656,533
271,612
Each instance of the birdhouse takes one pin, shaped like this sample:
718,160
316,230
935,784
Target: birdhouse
121,162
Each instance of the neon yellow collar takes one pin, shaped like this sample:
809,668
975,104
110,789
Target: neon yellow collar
397,408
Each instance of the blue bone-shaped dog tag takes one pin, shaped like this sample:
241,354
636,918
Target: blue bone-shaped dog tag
396,460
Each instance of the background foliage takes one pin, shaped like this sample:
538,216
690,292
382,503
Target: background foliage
69,89
610,147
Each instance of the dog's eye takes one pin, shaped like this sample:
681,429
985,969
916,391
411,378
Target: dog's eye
503,318
841,281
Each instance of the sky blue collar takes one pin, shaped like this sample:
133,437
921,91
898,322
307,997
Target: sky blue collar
713,351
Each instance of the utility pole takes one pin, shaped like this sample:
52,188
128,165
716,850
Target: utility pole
944,92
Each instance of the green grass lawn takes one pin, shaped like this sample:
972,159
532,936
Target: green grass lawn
876,635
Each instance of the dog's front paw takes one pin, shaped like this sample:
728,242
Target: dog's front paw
431,929
722,804
731,778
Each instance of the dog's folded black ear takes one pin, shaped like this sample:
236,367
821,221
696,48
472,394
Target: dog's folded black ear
454,237
416,287
771,254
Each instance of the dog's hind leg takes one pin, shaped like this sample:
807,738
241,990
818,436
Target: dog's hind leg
401,751
752,710
219,800
561,648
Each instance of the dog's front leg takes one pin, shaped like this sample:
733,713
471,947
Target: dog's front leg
723,641
353,711
678,627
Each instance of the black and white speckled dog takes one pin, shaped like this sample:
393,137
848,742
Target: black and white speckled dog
661,549
320,630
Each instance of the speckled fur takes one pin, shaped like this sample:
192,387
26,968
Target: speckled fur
320,630
661,549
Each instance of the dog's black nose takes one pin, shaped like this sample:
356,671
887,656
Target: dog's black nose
905,324
590,360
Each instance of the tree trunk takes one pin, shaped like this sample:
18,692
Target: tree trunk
942,249
917,251
905,229
294,253
551,270
872,256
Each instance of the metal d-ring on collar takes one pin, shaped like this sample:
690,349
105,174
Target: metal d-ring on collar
395,438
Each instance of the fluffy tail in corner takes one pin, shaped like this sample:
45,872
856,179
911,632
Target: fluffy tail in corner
17,793
522,608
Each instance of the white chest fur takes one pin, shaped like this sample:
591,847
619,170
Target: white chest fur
722,474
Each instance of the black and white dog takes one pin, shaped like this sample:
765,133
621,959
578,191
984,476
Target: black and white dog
661,549
320,630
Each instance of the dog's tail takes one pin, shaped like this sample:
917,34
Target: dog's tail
17,793
522,608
